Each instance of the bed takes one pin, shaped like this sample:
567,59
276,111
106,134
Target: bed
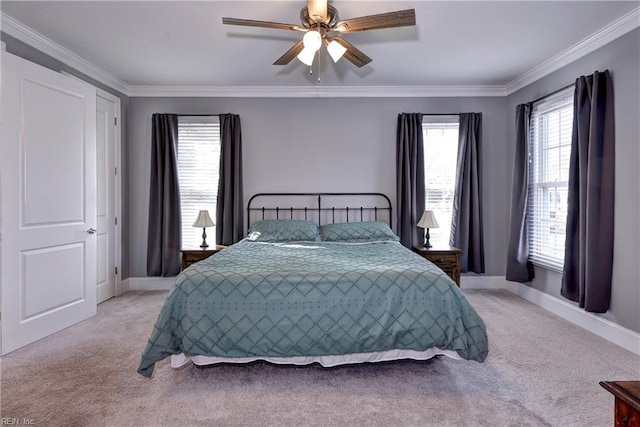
306,287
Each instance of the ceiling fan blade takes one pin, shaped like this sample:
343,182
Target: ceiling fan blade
401,18
262,24
353,54
318,10
290,54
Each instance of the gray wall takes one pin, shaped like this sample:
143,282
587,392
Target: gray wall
622,58
333,144
321,144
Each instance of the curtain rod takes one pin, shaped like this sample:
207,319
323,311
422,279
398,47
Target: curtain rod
196,115
440,114
553,93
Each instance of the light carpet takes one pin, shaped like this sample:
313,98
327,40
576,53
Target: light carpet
541,370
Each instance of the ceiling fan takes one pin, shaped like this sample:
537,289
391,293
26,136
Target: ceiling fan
319,23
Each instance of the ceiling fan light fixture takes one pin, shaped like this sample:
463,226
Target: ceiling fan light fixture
336,50
312,40
319,18
306,56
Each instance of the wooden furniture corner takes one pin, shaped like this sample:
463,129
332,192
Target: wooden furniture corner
447,258
190,256
627,402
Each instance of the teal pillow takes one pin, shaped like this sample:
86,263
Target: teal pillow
355,232
283,230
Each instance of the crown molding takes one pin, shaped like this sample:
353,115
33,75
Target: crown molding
605,35
317,91
600,38
36,40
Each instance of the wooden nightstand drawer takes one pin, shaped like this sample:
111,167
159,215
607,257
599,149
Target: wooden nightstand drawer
447,259
190,256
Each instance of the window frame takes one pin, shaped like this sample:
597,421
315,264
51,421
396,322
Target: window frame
539,164
440,121
187,231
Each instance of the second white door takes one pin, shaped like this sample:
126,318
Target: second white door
108,108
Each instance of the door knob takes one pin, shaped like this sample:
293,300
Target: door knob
92,230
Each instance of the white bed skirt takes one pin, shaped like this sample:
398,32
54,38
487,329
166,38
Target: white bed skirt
179,360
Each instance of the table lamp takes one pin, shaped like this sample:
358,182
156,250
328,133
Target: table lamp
204,220
427,221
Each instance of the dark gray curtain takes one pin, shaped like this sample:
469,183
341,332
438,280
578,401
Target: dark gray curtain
164,236
229,208
466,224
519,268
410,191
588,259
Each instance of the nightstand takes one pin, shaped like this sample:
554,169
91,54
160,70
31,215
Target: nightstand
189,256
446,257
626,410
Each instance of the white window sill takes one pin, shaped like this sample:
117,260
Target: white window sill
547,265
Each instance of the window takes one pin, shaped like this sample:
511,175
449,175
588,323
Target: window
440,137
198,165
549,153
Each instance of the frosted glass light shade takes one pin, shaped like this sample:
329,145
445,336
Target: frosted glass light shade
336,50
306,56
312,40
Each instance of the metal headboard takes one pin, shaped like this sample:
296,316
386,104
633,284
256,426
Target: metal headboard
320,207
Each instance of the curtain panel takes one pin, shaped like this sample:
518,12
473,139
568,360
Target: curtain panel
229,208
466,223
588,260
410,188
164,238
519,268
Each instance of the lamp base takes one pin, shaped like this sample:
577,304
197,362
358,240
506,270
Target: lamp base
204,239
426,240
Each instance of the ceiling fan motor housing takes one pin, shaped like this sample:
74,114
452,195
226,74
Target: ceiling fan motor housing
308,21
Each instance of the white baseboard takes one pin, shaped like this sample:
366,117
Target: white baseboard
148,283
625,338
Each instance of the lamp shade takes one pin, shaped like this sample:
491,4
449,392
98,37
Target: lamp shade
428,220
336,50
203,220
306,56
312,40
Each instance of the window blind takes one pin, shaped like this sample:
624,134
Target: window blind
198,174
549,155
440,139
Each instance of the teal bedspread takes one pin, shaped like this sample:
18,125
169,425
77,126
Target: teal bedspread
257,299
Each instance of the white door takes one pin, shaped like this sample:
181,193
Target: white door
106,137
48,187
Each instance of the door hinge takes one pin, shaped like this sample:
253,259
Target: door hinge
116,271
115,121
115,171
116,219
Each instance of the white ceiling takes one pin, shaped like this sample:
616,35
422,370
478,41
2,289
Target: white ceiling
144,46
